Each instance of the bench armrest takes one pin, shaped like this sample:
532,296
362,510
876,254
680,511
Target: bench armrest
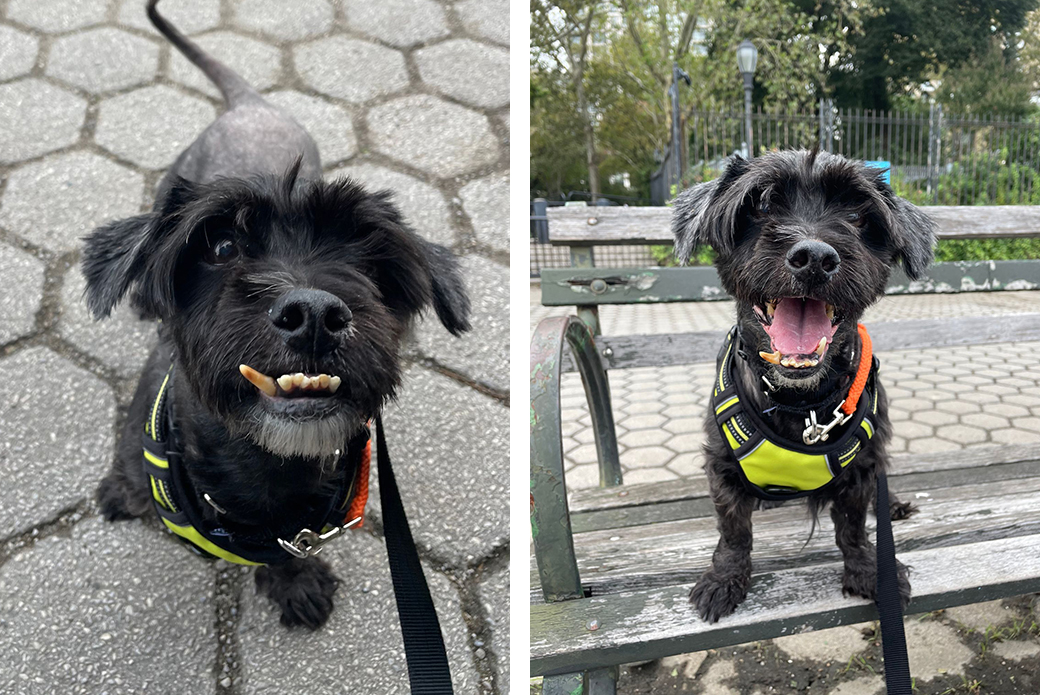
550,517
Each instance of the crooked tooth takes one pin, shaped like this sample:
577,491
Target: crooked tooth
323,380
261,381
771,357
297,379
821,347
334,383
286,382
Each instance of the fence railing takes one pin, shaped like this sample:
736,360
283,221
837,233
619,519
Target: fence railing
933,158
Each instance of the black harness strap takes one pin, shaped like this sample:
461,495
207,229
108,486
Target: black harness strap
428,671
889,605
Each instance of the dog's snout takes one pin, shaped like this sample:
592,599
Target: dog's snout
310,320
809,259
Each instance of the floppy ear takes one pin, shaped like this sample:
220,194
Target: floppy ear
705,215
113,260
450,300
914,237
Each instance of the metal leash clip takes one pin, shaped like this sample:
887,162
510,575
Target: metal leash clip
308,543
815,432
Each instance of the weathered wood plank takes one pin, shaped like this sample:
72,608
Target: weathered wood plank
605,226
595,286
910,484
671,349
642,494
653,623
676,552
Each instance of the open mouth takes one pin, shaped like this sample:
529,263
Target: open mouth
799,328
292,386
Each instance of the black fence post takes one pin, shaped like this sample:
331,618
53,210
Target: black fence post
934,146
539,222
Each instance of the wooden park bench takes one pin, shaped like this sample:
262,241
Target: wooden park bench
613,566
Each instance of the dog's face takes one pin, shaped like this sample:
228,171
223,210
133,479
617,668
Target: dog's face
804,242
286,300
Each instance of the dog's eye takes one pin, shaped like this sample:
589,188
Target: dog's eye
221,251
855,218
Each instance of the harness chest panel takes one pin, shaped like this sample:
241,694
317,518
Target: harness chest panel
174,504
773,467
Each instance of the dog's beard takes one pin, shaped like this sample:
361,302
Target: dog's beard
321,438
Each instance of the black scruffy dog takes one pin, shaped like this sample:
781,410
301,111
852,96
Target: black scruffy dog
804,243
283,302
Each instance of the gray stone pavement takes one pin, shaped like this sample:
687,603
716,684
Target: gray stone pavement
940,400
93,107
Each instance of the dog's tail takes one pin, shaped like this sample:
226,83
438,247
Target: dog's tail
230,83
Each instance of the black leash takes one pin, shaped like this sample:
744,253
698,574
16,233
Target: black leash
889,606
428,670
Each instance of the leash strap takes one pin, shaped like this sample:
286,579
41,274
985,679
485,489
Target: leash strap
428,671
889,607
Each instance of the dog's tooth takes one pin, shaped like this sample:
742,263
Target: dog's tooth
821,347
770,309
297,379
323,381
771,357
334,383
830,312
261,381
286,382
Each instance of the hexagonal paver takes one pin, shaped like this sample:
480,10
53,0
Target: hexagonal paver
465,515
115,608
190,17
648,475
259,63
122,341
361,644
641,438
301,20
43,395
356,71
962,434
36,118
57,15
449,67
483,353
486,18
934,417
329,124
18,308
422,205
935,649
486,201
103,59
17,52
152,125
433,135
55,202
397,22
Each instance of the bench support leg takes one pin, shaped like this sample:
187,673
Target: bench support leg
602,681
567,684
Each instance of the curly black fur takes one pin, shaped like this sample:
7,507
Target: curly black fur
752,216
250,186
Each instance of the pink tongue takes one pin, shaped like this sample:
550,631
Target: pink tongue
798,325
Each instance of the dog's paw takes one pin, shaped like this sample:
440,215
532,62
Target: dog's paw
716,596
302,589
904,583
901,510
112,500
860,578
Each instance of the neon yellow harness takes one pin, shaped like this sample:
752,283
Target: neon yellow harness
776,468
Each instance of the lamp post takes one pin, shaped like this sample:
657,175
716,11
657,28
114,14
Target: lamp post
747,61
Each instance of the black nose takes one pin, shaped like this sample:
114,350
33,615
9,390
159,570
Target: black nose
310,321
811,260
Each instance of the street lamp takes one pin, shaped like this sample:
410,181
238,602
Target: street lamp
747,61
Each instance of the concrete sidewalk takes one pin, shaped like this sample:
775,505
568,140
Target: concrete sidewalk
941,400
409,95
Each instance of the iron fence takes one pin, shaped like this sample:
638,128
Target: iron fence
933,158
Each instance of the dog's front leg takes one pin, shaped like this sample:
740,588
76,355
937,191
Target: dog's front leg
849,513
302,589
724,585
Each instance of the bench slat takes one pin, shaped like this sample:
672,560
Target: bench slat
649,624
652,225
596,499
671,349
676,552
572,286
